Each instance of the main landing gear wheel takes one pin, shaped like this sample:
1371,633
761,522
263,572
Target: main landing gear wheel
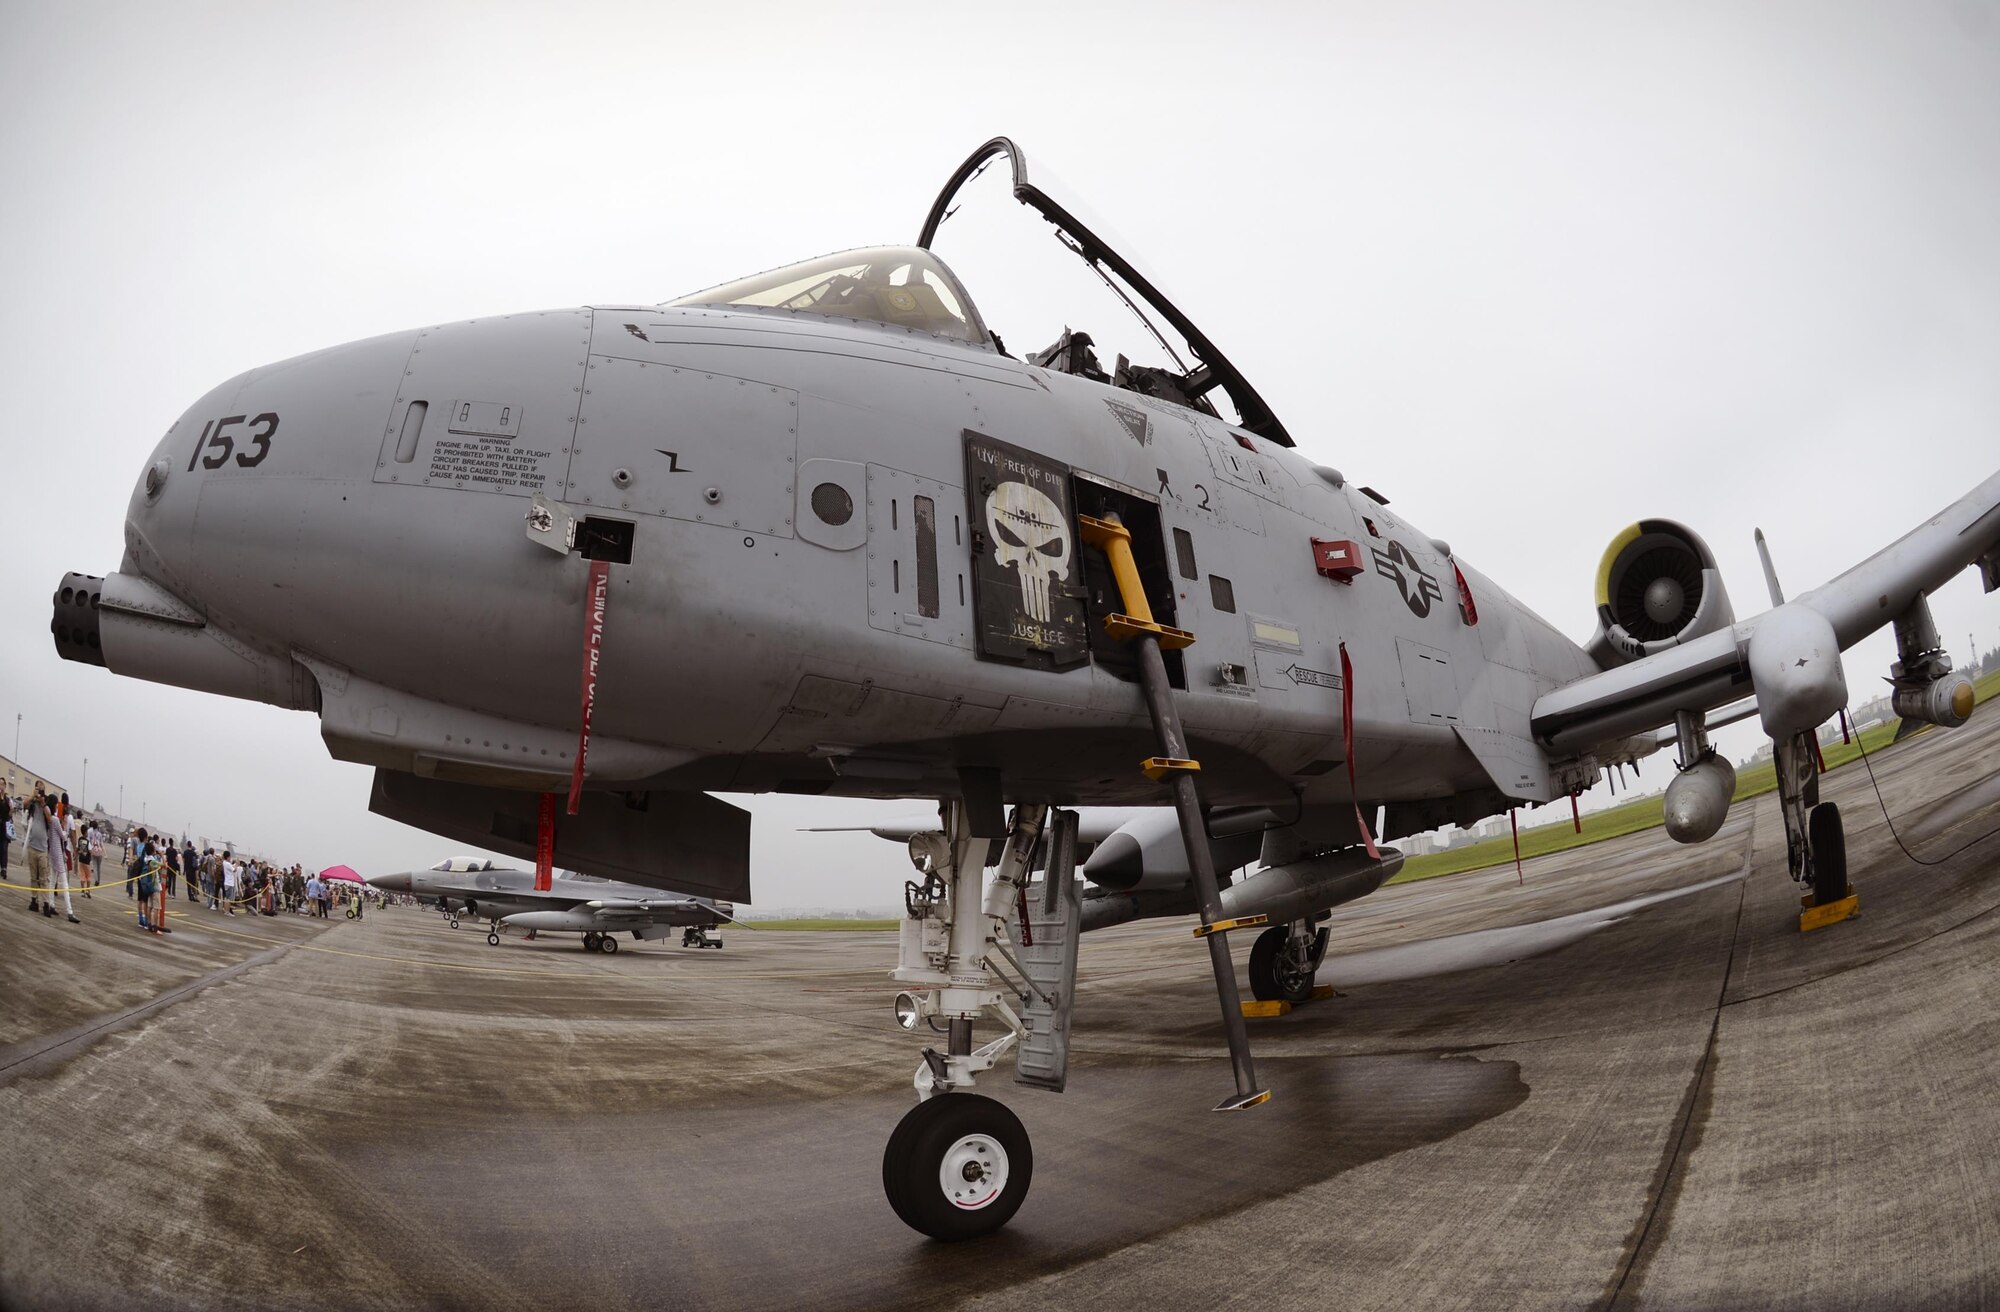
957,1166
590,941
606,943
1281,970
493,938
1827,842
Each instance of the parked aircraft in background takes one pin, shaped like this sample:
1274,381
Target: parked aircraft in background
819,531
598,909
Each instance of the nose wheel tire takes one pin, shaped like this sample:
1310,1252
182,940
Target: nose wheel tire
1279,971
454,922
1827,842
493,939
957,1166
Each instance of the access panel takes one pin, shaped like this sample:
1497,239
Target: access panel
710,448
1025,566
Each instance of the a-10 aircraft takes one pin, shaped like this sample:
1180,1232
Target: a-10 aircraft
817,531
598,909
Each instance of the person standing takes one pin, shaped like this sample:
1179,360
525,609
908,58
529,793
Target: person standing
230,876
6,830
143,873
190,866
169,863
37,849
86,860
65,845
45,857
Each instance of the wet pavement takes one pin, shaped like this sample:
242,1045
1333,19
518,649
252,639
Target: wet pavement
1610,1098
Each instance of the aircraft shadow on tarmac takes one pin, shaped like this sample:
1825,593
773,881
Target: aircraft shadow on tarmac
657,1201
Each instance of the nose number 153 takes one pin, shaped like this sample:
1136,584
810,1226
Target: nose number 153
219,445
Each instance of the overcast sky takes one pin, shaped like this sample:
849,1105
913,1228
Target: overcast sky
1534,271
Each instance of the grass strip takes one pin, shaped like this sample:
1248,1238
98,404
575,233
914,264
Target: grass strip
1637,814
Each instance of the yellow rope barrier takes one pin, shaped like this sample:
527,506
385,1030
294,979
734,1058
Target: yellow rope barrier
154,869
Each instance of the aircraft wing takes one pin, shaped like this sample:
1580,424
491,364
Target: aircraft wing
1717,668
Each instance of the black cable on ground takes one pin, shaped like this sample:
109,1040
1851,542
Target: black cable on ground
1891,822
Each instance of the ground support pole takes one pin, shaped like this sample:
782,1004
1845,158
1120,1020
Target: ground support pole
1174,764
1194,837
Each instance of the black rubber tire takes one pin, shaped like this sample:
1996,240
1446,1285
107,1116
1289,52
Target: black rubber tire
1827,842
492,939
590,941
916,1151
607,944
1267,982
454,922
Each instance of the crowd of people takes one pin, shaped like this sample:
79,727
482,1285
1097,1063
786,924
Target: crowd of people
155,869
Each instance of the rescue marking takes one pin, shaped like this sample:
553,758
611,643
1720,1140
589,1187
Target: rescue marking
1316,678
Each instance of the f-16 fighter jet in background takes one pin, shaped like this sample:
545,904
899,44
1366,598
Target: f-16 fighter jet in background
599,909
819,530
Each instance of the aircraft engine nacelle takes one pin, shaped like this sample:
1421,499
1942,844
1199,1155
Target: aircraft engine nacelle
1657,587
1945,701
1698,800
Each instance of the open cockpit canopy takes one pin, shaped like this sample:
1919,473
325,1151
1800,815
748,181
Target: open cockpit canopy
908,287
1203,368
896,285
463,863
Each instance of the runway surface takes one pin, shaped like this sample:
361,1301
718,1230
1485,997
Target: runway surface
1678,1103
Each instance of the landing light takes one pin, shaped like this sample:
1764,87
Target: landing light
907,1010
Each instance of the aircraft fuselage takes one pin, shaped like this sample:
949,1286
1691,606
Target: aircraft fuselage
358,514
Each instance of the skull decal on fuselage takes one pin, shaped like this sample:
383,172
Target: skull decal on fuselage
1028,534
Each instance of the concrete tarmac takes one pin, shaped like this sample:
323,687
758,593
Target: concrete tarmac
1682,1103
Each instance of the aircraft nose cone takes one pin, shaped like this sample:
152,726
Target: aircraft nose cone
390,883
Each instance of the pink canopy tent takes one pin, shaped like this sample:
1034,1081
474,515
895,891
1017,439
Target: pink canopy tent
340,872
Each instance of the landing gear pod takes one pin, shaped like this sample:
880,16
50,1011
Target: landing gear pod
1698,799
